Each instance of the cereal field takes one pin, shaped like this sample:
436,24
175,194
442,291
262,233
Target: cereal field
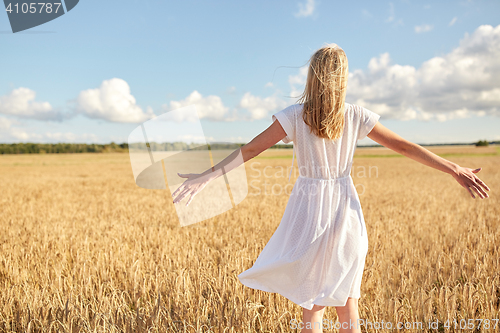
83,249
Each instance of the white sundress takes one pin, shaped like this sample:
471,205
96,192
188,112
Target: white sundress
317,254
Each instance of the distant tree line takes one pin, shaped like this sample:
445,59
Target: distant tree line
482,143
70,148
65,148
60,148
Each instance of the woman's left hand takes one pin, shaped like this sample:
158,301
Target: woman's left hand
192,186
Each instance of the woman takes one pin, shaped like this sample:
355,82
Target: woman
316,256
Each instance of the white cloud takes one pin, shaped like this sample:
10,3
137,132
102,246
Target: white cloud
19,134
59,136
259,107
210,107
69,137
306,9
21,103
9,133
463,82
195,138
269,85
112,101
5,123
235,139
231,90
423,28
453,21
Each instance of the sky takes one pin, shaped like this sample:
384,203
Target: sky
431,70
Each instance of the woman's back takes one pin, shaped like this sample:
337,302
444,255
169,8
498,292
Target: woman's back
323,158
317,254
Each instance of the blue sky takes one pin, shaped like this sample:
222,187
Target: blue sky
92,75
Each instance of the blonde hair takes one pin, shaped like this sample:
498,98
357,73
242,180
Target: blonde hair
324,94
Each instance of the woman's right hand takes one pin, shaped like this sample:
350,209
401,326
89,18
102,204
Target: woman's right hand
468,179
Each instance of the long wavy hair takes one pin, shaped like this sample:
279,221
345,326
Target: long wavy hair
324,93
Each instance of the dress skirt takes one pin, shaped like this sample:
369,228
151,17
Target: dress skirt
317,254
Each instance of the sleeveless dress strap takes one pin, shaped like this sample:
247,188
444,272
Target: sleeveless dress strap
293,157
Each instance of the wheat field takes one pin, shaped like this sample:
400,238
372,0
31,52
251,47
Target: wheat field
83,249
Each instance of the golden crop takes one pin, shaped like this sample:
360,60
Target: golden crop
82,248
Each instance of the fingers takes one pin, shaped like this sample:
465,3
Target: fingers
180,188
478,185
475,185
179,198
478,189
181,195
482,187
190,191
471,194
182,175
193,193
189,188
185,194
483,184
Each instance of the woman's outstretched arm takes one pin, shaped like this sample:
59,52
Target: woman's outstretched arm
196,182
464,176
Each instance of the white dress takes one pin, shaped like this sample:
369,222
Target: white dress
317,253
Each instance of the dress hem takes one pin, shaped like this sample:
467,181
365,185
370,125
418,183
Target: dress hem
258,286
